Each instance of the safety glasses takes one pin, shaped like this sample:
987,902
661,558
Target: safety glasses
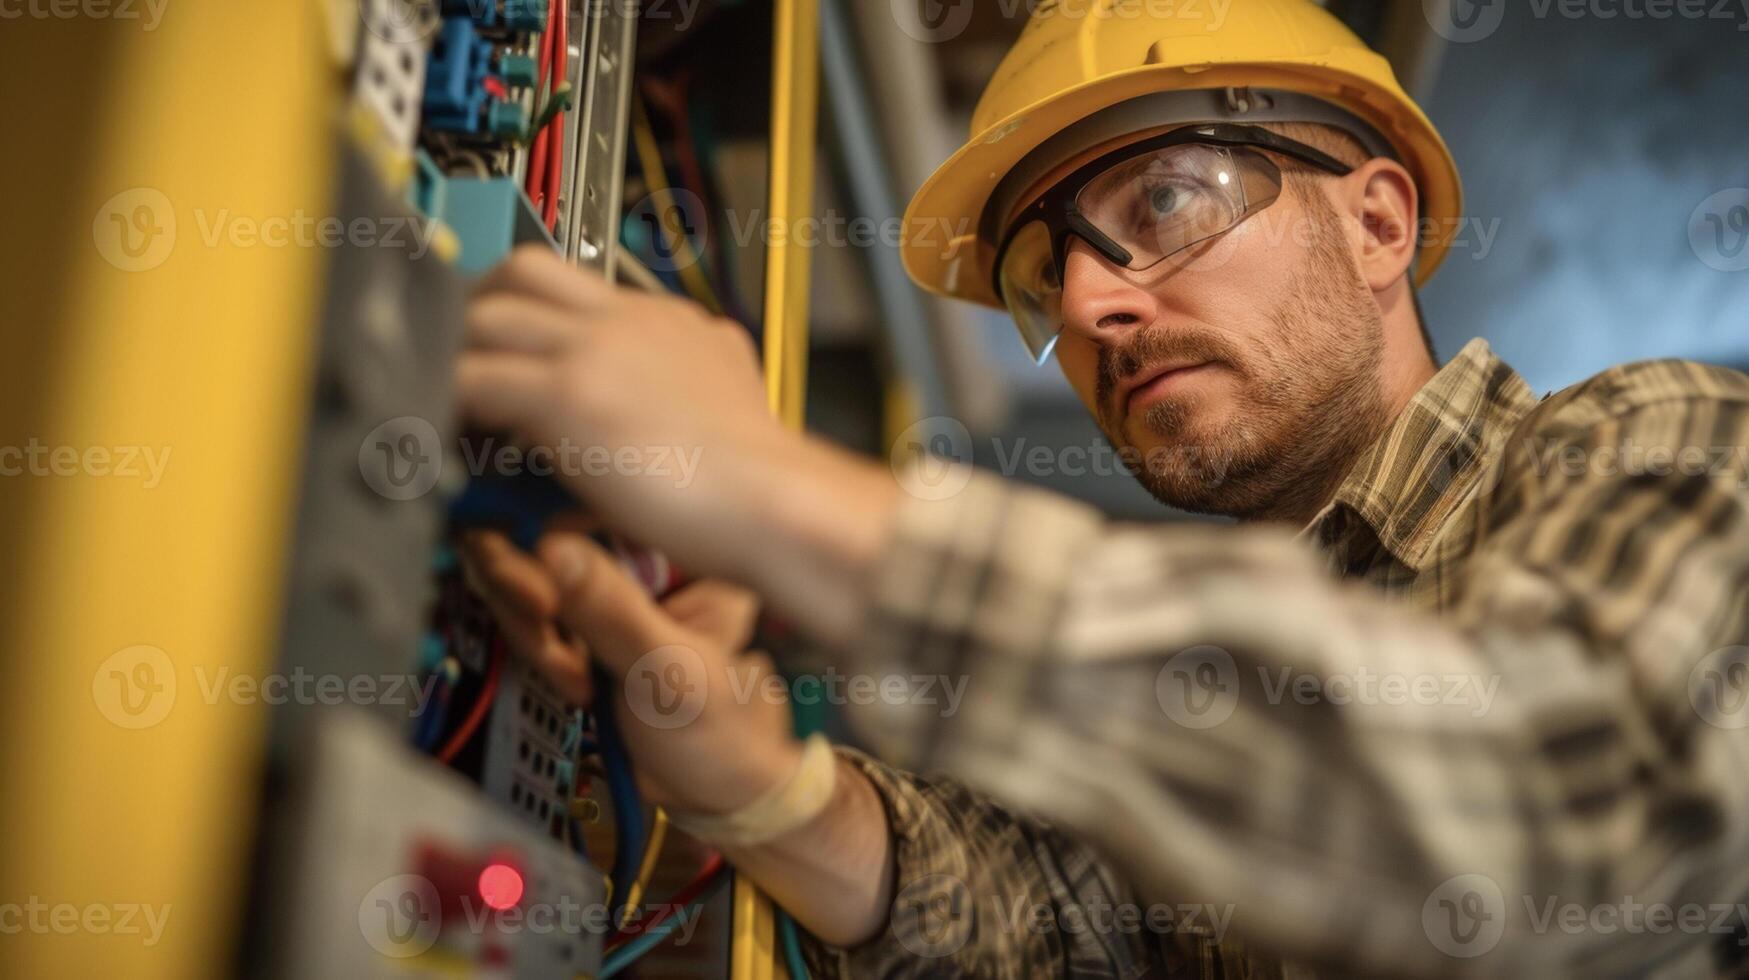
1138,206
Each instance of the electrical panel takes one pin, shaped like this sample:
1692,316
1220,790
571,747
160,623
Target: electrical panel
531,748
396,870
435,833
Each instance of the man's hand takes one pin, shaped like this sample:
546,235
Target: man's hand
706,726
558,356
702,726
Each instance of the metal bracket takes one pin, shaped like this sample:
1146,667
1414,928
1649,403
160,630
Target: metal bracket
596,131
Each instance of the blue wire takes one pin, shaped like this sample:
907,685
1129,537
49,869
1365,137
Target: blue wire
577,841
636,947
792,946
430,724
628,810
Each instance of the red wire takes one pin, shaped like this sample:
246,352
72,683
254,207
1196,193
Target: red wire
537,160
482,704
707,873
556,163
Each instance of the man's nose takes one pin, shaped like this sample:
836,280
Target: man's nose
1099,300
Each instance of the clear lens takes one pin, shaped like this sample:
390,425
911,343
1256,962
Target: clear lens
1163,202
1153,205
1032,289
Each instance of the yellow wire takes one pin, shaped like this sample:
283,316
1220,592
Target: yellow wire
652,850
679,246
753,947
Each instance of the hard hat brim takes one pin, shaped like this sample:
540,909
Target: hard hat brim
942,250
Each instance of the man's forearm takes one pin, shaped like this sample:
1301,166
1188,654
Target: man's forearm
819,519
834,874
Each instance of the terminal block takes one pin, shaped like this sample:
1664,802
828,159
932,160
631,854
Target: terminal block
455,80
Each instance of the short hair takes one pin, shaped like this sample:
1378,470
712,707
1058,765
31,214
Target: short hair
1345,147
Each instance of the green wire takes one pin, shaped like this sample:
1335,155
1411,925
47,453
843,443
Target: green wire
806,723
628,954
559,102
792,946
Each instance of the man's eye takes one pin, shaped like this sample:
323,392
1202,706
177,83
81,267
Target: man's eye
1156,203
1163,200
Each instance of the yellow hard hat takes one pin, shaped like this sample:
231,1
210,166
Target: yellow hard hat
1079,60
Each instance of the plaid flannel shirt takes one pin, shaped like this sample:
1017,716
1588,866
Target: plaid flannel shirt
1484,716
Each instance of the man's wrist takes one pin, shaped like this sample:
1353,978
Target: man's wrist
791,801
835,872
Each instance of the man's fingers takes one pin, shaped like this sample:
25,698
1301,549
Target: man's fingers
725,613
539,272
523,599
498,567
519,323
603,605
499,390
565,664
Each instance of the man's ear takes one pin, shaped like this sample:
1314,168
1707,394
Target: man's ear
1384,200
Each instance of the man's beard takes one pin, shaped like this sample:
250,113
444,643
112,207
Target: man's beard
1311,398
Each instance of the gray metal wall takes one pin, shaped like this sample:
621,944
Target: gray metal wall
1588,146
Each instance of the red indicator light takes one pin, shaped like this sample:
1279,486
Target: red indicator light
500,886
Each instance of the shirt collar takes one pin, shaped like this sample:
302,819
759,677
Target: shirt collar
1405,485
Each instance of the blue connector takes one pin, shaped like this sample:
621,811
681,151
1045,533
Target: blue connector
455,92
432,650
519,505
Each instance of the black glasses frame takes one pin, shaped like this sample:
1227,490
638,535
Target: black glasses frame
1062,217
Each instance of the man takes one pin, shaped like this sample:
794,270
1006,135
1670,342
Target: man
1470,666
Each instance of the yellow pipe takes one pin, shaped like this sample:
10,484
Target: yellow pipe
157,350
795,96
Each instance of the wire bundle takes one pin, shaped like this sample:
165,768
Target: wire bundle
547,154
